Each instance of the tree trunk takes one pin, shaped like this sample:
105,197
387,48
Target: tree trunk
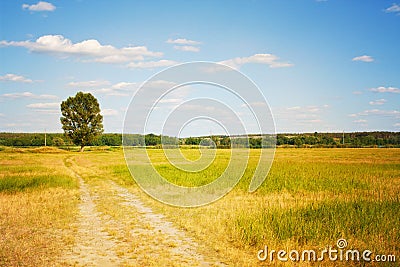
82,148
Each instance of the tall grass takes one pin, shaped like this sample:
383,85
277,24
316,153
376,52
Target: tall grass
324,221
38,203
12,184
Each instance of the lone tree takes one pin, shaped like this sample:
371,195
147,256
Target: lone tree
81,119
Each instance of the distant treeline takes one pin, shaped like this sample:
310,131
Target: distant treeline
53,139
355,139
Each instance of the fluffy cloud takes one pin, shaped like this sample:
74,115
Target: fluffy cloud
300,114
14,78
268,59
44,105
303,118
363,58
360,121
45,108
377,112
105,87
40,6
182,42
394,8
185,45
109,112
89,84
307,109
89,50
123,85
119,89
378,102
187,48
152,64
28,95
383,89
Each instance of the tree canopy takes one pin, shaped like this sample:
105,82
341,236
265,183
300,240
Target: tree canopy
81,119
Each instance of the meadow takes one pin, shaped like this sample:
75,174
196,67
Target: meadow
310,199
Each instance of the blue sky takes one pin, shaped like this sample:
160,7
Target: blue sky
322,65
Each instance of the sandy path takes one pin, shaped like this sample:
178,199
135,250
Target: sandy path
94,246
140,237
181,249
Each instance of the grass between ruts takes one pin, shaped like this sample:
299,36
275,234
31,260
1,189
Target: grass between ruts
311,198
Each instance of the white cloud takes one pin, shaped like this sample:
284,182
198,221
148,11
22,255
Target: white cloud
171,100
217,68
183,41
109,112
89,84
27,95
254,104
360,121
363,58
301,118
152,64
15,78
2,115
383,89
187,48
105,87
40,6
268,59
160,84
44,105
377,112
357,93
307,109
123,85
88,50
378,102
300,115
394,8
396,124
119,89
185,45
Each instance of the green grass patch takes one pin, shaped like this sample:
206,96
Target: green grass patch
13,184
121,174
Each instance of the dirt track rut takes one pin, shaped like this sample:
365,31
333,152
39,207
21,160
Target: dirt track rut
141,237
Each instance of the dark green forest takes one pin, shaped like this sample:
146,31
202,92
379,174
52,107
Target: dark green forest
354,139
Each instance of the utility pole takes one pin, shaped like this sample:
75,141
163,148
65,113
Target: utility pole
343,137
45,138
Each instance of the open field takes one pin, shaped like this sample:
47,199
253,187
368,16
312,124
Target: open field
67,208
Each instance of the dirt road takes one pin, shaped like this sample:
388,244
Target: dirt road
115,228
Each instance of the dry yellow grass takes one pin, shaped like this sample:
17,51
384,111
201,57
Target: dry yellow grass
34,221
